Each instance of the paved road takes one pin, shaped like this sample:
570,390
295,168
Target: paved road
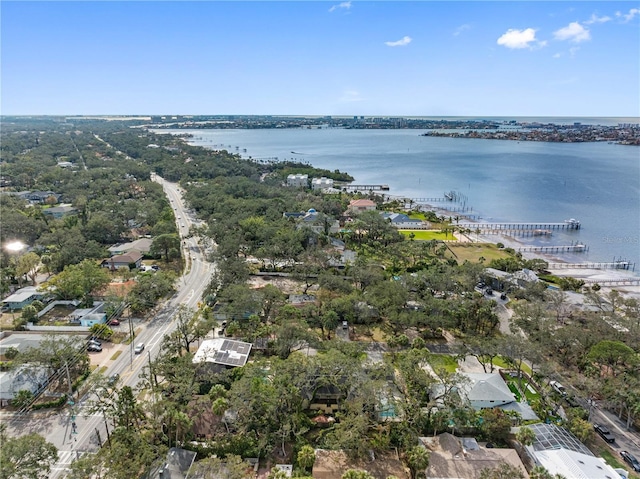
56,427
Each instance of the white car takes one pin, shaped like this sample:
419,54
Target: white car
139,348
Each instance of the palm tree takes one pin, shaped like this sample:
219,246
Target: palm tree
526,436
356,474
418,460
306,457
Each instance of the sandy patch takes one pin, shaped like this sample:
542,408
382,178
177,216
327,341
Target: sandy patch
286,285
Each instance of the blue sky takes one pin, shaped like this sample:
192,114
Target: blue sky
421,58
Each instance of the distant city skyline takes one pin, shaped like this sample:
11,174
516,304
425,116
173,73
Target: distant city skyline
380,58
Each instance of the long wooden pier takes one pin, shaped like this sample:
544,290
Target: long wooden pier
566,225
573,248
613,282
613,265
366,187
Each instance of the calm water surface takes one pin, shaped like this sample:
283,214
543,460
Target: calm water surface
596,183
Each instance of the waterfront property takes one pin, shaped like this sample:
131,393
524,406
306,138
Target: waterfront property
298,180
360,206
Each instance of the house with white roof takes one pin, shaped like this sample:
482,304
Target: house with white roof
560,452
321,183
298,180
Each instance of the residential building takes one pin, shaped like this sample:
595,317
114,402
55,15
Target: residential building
454,458
400,220
39,197
361,205
319,222
123,261
321,183
503,281
22,378
298,180
225,352
23,297
560,452
58,212
142,245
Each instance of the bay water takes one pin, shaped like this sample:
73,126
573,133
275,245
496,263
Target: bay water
503,181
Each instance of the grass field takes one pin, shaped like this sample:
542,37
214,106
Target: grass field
427,235
499,361
472,252
115,355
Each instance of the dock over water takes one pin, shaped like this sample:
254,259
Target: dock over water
565,225
573,248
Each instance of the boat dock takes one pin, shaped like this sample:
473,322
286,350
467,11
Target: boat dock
613,282
566,225
365,188
613,265
573,248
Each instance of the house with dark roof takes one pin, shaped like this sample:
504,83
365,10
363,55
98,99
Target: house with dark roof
40,197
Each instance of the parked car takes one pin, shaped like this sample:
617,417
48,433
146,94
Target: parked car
557,387
503,297
632,461
113,379
94,348
604,432
95,342
489,292
114,322
139,348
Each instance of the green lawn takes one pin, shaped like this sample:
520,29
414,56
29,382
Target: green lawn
614,461
427,235
500,361
443,361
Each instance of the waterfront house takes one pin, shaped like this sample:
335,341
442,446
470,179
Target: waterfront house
23,297
321,183
298,180
400,220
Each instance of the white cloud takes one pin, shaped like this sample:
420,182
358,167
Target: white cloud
350,96
557,55
399,43
596,19
345,5
573,32
573,51
514,38
627,17
461,29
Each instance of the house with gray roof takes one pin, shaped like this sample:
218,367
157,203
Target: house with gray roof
400,220
58,212
23,297
142,245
